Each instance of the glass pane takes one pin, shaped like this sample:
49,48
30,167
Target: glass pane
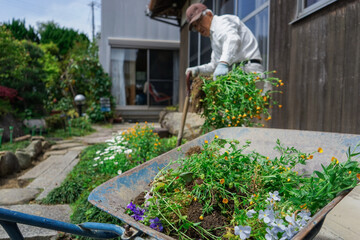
205,54
209,4
245,7
193,58
128,73
161,77
259,26
225,7
310,2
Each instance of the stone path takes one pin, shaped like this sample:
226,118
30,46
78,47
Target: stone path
47,175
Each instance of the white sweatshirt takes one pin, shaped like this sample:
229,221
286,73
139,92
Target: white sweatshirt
231,42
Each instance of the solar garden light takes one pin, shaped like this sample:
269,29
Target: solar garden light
11,129
79,101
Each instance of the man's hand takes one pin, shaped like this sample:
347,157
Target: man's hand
221,69
193,70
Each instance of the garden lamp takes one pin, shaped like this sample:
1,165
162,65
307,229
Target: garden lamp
79,101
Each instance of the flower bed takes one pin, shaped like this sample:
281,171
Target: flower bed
226,191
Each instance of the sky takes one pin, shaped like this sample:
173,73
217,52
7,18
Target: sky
75,14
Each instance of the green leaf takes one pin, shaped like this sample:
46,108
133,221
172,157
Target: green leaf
319,174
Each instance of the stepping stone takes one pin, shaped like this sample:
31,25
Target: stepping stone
65,146
49,153
13,196
56,212
52,175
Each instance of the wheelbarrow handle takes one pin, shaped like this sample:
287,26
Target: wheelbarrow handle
9,220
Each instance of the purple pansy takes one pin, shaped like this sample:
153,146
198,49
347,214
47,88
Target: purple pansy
138,212
156,224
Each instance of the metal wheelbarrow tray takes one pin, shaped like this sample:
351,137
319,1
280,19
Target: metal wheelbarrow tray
114,195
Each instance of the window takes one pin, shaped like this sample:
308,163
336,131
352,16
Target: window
306,7
146,77
255,15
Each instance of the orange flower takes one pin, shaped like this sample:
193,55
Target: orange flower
349,172
222,181
280,106
226,158
206,141
213,119
320,150
225,200
303,156
177,190
333,159
358,176
201,217
310,157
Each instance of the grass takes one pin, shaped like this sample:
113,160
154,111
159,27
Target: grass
12,147
75,132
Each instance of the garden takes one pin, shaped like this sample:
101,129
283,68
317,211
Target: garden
220,189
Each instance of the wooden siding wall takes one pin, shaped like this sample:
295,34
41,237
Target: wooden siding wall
318,59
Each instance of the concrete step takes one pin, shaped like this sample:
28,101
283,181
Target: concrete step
57,212
343,221
53,176
13,196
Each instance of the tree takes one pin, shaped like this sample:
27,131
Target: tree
64,38
20,32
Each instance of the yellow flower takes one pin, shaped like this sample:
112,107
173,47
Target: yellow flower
177,190
225,200
229,125
226,110
216,136
201,217
349,172
233,117
251,202
303,156
288,179
228,117
195,199
206,141
320,150
244,115
267,158
155,144
222,181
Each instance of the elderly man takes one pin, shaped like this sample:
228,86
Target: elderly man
231,42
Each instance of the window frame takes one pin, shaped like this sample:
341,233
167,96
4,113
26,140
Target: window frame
303,11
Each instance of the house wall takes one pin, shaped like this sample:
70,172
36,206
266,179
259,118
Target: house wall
318,59
126,19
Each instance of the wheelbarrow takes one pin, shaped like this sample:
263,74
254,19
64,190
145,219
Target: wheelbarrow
114,195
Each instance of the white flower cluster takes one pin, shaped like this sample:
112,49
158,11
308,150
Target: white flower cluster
116,145
275,222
